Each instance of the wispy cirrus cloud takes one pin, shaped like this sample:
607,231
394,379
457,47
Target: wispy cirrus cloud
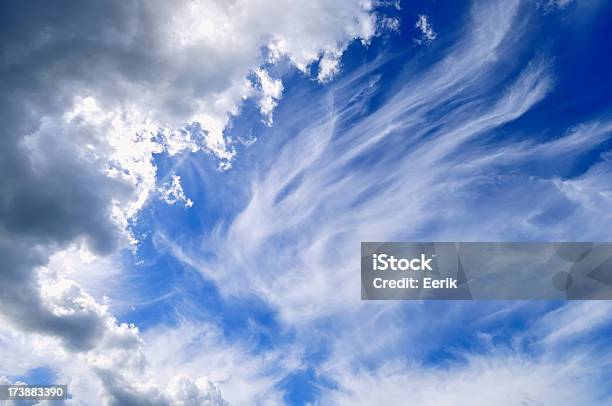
493,378
315,199
436,159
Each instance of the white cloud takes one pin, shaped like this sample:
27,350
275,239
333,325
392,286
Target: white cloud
572,322
190,350
527,367
427,32
270,91
389,24
185,392
115,370
329,65
172,192
500,379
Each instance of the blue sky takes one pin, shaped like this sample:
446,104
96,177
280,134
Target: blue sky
494,125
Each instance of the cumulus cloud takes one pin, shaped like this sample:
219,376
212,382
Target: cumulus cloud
114,370
90,93
186,392
178,354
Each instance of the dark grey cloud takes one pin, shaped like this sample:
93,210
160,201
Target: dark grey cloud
54,182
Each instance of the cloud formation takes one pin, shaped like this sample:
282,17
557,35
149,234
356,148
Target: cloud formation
93,92
427,32
437,158
499,379
90,93
320,201
172,192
